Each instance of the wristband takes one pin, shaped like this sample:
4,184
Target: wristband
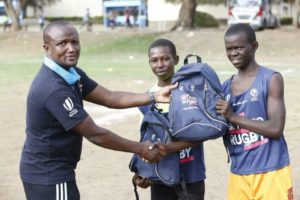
151,97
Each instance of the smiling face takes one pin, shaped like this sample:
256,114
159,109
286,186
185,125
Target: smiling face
239,50
162,62
62,45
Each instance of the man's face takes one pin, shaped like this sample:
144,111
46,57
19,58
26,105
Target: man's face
162,62
239,50
63,46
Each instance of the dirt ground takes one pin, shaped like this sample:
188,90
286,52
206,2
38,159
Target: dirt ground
103,174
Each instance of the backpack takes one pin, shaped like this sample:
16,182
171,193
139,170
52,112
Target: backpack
155,127
192,112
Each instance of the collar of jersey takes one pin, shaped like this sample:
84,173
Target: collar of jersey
70,76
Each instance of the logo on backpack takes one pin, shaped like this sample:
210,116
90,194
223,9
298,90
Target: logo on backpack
189,100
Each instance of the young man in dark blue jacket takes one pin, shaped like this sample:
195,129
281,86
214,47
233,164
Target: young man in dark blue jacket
162,59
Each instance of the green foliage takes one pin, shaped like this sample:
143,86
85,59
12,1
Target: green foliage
210,1
205,20
288,1
95,20
286,21
73,19
201,1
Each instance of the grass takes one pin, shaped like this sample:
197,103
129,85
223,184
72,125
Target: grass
125,58
17,70
130,44
112,55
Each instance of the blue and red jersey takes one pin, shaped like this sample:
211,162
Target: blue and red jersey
250,152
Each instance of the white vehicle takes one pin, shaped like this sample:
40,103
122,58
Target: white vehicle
2,9
3,17
256,13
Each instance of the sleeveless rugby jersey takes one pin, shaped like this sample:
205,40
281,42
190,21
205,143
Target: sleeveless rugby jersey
250,152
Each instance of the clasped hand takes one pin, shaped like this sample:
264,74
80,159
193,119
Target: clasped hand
152,152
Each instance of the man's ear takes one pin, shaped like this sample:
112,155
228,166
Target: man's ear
46,47
255,45
176,59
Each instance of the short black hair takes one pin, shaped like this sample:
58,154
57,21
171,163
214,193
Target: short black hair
54,24
242,28
164,43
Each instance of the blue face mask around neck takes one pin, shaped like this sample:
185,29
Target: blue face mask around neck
70,76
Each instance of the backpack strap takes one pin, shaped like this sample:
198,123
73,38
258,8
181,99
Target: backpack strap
226,148
184,190
145,109
186,59
135,189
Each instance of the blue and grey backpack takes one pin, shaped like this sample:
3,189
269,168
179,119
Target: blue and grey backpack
192,112
155,127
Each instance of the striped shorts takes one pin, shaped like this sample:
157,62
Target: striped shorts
60,191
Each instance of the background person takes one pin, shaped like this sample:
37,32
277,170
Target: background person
41,21
86,20
7,23
127,13
112,19
56,121
255,109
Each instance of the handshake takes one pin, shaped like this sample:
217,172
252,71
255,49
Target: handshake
152,152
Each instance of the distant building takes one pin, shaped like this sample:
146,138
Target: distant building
71,8
122,13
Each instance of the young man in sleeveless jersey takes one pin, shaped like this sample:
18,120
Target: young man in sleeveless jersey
162,59
255,110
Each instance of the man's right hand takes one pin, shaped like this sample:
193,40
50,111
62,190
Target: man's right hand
152,152
163,95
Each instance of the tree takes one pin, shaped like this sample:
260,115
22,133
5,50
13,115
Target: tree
25,4
186,17
296,16
13,9
188,9
35,4
13,14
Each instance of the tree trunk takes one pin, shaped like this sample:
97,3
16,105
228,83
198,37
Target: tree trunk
24,5
296,14
11,12
186,16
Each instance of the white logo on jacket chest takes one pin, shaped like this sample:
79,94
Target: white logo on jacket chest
254,94
69,106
